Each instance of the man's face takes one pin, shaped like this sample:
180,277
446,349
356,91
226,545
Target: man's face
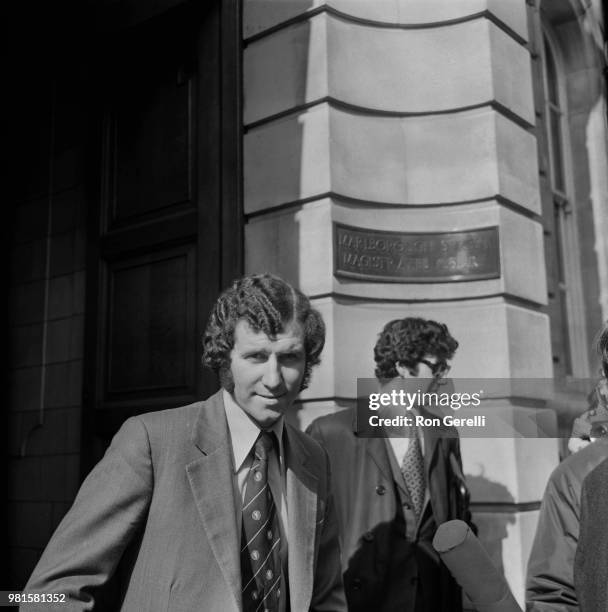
425,369
266,371
428,367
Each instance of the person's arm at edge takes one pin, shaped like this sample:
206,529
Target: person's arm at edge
88,544
550,581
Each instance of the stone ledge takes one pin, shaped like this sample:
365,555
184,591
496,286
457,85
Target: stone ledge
299,246
261,15
380,70
457,157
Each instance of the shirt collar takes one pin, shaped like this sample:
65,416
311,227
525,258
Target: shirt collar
244,432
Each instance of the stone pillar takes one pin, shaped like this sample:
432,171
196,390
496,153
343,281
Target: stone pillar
406,116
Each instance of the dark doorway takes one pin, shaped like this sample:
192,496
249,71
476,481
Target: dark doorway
165,229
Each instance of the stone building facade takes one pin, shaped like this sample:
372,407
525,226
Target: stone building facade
286,120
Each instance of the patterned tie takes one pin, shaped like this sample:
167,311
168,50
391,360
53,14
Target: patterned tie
412,469
260,537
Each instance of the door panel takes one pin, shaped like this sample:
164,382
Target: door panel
168,215
152,130
150,325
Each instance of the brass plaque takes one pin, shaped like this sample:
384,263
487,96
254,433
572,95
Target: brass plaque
408,257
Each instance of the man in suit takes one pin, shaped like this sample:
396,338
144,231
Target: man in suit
219,505
392,493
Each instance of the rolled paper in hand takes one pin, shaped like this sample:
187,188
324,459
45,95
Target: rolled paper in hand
473,569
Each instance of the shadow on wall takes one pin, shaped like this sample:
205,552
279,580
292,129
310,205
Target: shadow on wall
280,146
382,569
491,521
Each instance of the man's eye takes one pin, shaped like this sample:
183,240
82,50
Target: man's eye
291,356
257,357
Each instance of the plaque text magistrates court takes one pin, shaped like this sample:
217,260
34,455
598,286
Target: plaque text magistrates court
403,257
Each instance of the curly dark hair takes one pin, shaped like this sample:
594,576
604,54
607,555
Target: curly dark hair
407,341
602,346
268,304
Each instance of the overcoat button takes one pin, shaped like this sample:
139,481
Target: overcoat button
368,536
381,489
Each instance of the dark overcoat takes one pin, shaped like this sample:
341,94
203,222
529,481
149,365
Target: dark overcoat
591,561
388,561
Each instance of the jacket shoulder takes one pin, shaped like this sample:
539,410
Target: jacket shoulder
172,428
598,478
311,445
577,466
338,423
159,418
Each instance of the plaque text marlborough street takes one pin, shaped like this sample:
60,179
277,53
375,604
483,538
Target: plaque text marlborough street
404,257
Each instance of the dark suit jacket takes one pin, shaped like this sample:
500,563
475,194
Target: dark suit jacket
159,512
591,561
383,569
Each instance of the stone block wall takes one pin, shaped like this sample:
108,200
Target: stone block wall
46,324
406,116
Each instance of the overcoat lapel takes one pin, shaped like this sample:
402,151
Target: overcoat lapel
376,449
435,463
211,481
302,492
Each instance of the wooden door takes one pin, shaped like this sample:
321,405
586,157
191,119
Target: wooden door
165,235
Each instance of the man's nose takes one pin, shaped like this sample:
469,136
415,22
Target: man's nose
272,373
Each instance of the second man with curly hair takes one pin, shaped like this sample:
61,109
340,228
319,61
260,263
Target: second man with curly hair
392,493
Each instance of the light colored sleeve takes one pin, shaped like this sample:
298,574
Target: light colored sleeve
550,577
110,507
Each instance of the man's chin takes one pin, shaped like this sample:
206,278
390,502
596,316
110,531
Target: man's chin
267,422
266,416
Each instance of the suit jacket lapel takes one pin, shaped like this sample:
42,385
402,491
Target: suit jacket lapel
431,447
432,440
211,481
395,467
435,463
376,449
301,495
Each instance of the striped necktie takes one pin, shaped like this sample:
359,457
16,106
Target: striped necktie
260,537
412,468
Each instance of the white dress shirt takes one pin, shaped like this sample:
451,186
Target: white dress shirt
243,434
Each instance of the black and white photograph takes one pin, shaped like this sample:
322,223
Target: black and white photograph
307,306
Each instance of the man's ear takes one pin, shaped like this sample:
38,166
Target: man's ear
402,370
